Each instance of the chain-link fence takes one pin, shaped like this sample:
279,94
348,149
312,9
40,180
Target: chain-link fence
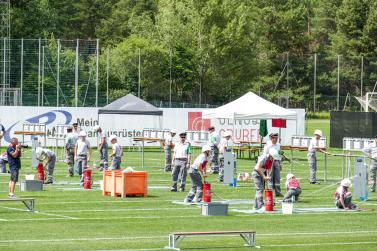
51,72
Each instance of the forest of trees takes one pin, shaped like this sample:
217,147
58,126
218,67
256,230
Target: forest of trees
224,47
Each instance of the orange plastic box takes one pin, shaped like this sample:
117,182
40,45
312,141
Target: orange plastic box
109,181
122,184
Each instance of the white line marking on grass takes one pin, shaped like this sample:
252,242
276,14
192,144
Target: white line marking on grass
119,210
3,220
320,244
84,239
37,212
59,215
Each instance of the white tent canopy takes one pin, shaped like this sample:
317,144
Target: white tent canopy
250,106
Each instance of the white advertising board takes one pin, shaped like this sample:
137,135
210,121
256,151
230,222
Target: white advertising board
128,126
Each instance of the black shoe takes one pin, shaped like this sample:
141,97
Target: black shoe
278,195
182,189
173,189
314,183
214,172
48,182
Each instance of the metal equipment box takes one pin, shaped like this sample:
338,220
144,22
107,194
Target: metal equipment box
31,185
215,209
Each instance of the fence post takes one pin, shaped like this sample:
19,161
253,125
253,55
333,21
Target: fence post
77,73
43,74
287,79
315,82
39,72
107,75
97,73
22,69
361,81
138,89
58,76
338,91
170,79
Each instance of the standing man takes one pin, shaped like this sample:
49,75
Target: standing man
14,154
181,160
70,143
312,156
225,145
261,173
274,182
103,147
82,154
371,151
2,132
50,157
168,146
213,142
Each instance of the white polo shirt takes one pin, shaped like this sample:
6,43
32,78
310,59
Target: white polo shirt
313,144
269,146
118,150
82,147
182,150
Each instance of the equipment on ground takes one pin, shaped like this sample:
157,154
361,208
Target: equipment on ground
28,202
247,236
229,161
31,185
88,179
207,193
41,172
361,179
269,200
215,209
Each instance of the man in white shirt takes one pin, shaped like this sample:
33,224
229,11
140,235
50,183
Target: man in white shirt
102,147
225,145
82,154
168,146
49,156
116,154
274,182
213,142
371,151
181,160
312,157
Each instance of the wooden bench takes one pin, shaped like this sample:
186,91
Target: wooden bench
174,238
28,202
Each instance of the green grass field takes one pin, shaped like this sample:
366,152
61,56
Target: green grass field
70,218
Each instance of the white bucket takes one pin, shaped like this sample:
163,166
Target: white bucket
29,177
287,208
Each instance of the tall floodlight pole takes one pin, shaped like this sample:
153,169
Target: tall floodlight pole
22,69
77,74
361,81
97,73
315,82
43,74
107,75
138,88
170,77
58,76
338,91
